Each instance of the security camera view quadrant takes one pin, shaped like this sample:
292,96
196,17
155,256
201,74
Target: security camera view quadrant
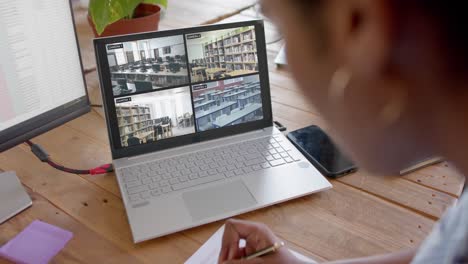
151,117
147,65
220,54
226,103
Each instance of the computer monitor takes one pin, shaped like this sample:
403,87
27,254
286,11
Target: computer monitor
142,86
41,78
122,82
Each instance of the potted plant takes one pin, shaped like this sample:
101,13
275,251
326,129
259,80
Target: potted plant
118,17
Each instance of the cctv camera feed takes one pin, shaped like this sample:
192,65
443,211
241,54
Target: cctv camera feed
227,103
147,65
154,116
220,54
160,92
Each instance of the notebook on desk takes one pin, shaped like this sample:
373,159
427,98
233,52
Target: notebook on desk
281,59
209,252
194,147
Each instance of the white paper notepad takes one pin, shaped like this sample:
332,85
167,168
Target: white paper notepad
209,252
281,58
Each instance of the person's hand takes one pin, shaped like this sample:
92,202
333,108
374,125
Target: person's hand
257,236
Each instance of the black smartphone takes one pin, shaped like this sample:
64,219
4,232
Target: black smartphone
320,150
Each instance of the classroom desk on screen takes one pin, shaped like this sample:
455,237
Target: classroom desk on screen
204,105
213,71
362,215
250,97
239,72
205,117
208,95
198,100
233,96
237,117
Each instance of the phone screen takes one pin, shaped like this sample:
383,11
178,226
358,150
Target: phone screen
313,142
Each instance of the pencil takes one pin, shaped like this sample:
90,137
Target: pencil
422,164
266,251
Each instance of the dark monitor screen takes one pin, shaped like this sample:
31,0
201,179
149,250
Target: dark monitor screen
209,82
143,86
41,77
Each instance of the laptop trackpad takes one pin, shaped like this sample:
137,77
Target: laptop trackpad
218,200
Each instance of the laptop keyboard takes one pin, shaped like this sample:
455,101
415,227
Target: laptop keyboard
144,181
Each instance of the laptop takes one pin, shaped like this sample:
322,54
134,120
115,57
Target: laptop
200,145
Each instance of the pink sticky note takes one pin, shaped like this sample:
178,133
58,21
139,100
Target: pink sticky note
37,244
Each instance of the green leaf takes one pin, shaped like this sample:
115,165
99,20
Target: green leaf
106,12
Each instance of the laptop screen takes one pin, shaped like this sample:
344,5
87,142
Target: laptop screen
184,84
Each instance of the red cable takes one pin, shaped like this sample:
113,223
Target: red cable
42,155
65,169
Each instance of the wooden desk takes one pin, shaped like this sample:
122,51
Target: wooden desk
198,73
239,72
361,215
215,70
212,71
144,136
197,69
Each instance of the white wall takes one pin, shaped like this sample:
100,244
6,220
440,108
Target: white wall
178,49
164,42
128,46
195,52
176,43
145,46
111,60
183,102
172,106
175,50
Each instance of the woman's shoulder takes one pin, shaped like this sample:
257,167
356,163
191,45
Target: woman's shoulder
448,242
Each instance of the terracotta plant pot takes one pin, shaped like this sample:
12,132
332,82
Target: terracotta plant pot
146,19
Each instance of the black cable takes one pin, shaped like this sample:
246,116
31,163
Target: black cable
43,156
280,126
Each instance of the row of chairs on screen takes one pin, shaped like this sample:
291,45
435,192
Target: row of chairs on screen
171,67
